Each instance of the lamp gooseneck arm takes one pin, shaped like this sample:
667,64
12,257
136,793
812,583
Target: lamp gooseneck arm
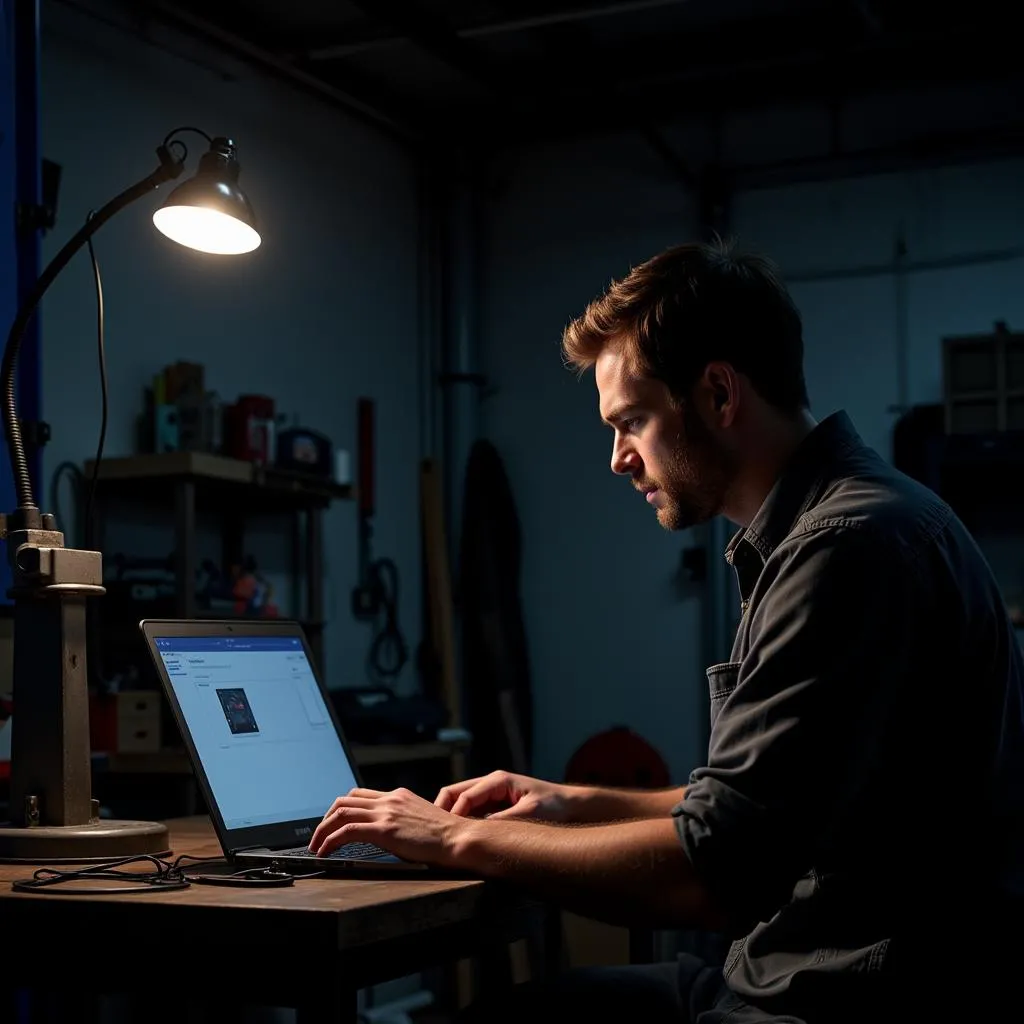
169,169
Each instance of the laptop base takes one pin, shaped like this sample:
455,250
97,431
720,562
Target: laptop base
340,867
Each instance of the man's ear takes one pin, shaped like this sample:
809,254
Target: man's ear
722,382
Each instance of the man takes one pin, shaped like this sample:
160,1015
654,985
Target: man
859,818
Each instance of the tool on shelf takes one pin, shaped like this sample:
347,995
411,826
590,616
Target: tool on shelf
375,595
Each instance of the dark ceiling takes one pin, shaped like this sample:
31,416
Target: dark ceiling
504,69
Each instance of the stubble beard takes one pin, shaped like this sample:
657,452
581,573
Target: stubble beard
697,479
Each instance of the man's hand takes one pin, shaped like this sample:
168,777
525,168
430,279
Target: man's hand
630,872
400,822
529,798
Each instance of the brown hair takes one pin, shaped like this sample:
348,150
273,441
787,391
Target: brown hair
695,304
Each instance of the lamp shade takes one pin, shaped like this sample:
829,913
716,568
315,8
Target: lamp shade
209,212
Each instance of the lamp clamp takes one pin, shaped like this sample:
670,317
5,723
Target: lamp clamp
170,165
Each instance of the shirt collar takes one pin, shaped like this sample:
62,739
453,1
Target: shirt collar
798,486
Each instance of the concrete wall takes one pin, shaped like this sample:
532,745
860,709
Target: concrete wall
323,312
613,638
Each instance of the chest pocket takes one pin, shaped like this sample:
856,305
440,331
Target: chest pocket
722,681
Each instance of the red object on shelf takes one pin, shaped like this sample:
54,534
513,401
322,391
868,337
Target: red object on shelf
249,432
103,722
128,721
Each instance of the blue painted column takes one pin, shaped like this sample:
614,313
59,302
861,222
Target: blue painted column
20,171
28,197
8,244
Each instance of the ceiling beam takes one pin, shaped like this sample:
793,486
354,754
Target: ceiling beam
866,12
873,68
912,154
704,67
672,160
523,23
432,36
361,101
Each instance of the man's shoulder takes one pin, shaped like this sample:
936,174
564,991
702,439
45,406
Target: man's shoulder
867,499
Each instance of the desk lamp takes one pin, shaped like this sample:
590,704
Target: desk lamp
52,814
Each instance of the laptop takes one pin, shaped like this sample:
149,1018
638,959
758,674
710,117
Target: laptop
264,741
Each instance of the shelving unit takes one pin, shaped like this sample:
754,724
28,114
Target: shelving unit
983,378
190,482
184,484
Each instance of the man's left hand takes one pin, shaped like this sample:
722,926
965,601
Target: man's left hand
399,821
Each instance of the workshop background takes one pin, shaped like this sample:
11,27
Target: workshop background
441,185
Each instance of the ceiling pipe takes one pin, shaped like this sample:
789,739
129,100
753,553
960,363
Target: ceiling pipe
494,28
284,68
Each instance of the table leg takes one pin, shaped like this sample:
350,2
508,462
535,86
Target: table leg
39,1006
641,946
553,953
334,1002
15,1005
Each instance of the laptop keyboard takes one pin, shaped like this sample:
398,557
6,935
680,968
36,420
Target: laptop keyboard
350,851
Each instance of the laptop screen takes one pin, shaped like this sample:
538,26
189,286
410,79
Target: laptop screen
259,725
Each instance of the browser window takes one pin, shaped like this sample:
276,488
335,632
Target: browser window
260,726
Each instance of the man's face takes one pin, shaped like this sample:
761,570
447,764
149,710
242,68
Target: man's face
667,450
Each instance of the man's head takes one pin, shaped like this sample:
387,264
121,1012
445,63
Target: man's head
698,354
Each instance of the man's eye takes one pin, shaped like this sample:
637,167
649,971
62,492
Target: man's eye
631,424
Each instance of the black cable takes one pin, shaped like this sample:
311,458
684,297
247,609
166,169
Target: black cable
72,527
169,168
184,128
182,148
166,876
254,878
388,652
93,639
170,140
104,397
74,531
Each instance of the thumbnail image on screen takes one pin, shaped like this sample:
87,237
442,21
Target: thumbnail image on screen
237,710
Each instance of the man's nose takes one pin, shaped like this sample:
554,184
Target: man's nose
624,459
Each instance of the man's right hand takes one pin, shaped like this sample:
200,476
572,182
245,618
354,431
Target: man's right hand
526,797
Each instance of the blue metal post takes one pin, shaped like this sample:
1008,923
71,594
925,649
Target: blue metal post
28,199
8,252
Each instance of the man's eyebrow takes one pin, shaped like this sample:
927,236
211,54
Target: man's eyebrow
620,413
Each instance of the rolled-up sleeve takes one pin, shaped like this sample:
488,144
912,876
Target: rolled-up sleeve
829,642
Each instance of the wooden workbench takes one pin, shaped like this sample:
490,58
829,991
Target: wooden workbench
312,945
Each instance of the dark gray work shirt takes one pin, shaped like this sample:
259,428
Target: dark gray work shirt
864,791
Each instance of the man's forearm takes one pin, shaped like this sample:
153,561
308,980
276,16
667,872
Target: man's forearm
633,872
592,804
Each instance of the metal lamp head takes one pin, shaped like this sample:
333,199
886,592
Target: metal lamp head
209,212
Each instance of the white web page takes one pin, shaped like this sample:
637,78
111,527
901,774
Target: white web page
262,731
